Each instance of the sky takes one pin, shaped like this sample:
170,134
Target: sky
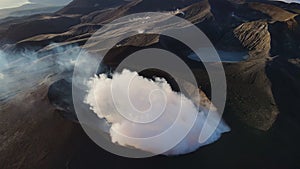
292,1
17,3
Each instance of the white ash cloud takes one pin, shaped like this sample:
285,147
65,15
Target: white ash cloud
21,71
108,97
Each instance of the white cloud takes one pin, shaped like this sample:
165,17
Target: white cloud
12,3
289,1
131,95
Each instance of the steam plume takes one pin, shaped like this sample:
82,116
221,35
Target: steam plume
130,94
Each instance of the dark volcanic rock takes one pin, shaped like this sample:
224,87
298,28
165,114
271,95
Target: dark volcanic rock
284,76
286,43
250,95
60,95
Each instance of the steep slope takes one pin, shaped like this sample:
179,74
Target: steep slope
47,24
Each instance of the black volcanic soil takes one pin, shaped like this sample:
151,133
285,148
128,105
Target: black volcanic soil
27,140
241,148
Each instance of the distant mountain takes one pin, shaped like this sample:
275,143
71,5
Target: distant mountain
51,2
31,9
87,6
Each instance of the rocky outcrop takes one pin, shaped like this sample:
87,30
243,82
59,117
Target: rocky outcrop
255,37
197,12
